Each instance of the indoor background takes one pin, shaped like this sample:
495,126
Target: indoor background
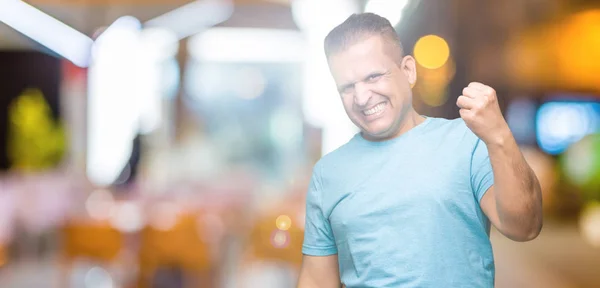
169,143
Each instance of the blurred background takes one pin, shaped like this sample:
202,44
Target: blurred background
169,143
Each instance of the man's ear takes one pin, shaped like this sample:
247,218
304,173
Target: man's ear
409,67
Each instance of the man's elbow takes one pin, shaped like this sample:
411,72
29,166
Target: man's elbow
532,233
528,232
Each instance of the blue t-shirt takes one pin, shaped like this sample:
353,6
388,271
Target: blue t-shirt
404,212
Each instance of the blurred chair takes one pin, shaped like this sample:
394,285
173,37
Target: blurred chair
269,243
273,250
3,255
178,250
278,233
97,241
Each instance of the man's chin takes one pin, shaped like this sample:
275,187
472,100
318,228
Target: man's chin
376,135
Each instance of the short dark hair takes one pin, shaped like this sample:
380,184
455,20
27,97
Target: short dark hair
358,27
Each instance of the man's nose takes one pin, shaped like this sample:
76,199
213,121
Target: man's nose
362,94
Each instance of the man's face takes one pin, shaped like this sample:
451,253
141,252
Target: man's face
375,88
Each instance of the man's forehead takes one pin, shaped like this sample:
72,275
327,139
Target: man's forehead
359,60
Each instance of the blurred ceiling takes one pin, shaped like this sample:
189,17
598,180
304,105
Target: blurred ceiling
89,15
498,24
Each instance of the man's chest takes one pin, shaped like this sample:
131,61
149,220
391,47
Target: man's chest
399,193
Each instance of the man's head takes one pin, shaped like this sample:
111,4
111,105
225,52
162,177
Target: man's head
373,76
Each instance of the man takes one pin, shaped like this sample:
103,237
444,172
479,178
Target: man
408,201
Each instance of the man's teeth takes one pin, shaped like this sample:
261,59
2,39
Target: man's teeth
374,110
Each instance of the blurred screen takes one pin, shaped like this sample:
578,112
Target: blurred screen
560,123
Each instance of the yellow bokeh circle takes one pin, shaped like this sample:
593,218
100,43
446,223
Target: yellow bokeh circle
431,51
283,222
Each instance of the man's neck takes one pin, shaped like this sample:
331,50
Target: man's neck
412,120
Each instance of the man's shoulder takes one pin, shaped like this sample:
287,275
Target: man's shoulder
449,124
339,155
454,134
335,165
455,128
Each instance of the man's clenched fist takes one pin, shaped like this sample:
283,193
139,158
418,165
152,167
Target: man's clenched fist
480,110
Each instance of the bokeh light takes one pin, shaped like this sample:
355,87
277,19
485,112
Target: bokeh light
389,9
561,55
98,278
164,216
283,222
280,239
318,17
579,162
252,83
589,223
285,128
578,50
159,43
432,84
560,124
100,205
127,217
581,165
431,51
116,93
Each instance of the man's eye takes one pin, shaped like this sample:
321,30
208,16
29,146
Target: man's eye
373,77
347,89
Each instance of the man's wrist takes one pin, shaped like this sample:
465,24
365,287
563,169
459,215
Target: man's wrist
500,139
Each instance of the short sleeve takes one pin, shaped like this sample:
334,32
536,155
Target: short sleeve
482,176
318,237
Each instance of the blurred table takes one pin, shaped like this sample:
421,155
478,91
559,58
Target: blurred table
558,258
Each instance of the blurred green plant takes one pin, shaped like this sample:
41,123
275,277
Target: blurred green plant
581,166
35,140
